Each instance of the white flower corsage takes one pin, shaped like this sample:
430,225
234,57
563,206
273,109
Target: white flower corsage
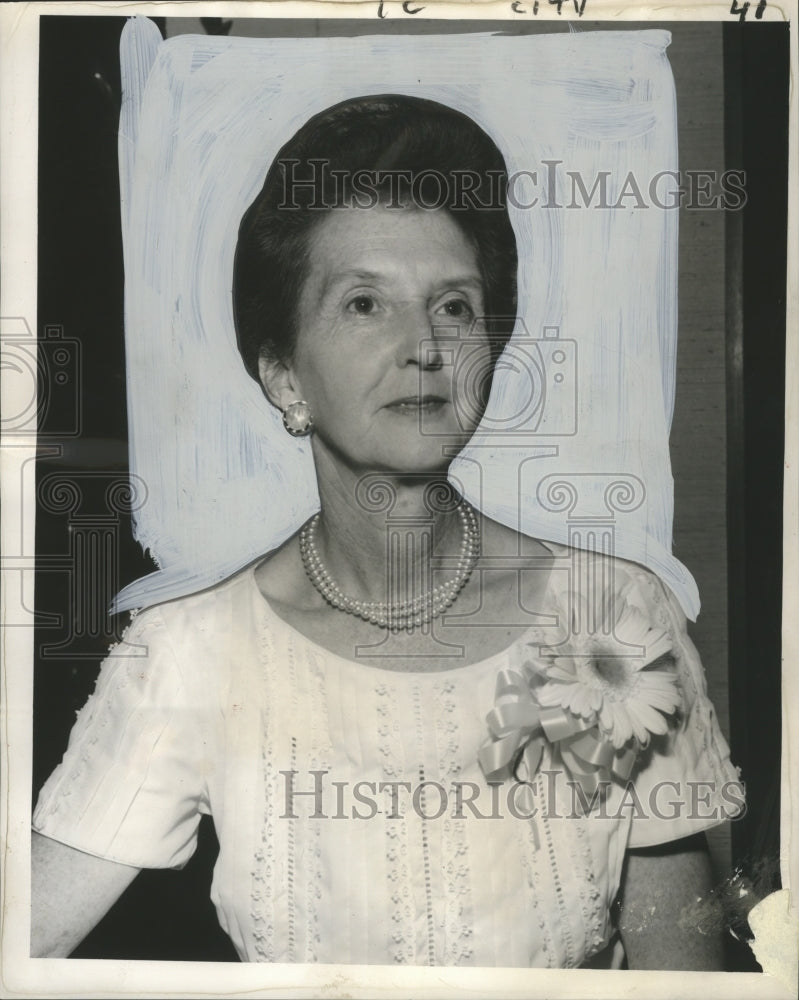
595,700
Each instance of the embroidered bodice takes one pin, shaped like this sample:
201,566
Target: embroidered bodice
354,822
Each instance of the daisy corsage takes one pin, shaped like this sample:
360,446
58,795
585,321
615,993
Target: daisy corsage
595,700
622,679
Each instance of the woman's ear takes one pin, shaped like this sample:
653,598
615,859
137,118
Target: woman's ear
277,382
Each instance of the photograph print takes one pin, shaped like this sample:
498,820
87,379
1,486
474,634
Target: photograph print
408,490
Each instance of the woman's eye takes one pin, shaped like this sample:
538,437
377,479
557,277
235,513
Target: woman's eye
457,308
363,305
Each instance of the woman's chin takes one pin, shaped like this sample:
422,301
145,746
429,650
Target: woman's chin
398,450
424,454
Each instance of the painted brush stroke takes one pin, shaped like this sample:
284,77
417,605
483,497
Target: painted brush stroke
573,448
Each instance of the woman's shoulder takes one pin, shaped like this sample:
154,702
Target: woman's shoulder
215,611
588,574
198,644
579,562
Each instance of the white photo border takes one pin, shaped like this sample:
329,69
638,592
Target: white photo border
21,976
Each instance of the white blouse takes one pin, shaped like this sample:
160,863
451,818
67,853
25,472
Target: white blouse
354,822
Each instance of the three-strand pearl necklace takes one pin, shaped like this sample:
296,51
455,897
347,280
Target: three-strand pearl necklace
406,615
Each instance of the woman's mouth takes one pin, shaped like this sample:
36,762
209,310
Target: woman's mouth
414,405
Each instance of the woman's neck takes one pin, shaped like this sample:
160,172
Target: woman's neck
380,535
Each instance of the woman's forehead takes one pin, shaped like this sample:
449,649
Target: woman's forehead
377,241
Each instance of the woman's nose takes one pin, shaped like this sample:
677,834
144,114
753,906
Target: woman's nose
417,340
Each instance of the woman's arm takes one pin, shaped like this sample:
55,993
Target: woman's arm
660,887
70,893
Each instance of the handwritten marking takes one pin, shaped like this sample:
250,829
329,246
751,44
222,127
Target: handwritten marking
406,7
740,11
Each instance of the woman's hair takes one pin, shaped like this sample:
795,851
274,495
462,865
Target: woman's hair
391,150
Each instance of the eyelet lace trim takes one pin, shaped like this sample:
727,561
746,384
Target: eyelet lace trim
595,913
430,922
320,749
458,916
401,942
558,909
531,861
262,910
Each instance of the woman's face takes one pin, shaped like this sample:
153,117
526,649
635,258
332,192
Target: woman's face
391,351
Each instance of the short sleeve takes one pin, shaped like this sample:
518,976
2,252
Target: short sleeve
130,787
684,782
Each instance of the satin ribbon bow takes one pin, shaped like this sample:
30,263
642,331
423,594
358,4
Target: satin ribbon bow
520,728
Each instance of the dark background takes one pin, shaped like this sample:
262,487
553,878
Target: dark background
84,547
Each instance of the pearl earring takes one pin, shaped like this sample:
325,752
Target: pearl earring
297,418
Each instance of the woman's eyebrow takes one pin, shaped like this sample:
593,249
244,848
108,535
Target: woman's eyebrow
350,274
462,281
468,280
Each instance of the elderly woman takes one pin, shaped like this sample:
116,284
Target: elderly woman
327,706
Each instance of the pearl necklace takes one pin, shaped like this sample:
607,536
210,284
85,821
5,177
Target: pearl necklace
405,614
